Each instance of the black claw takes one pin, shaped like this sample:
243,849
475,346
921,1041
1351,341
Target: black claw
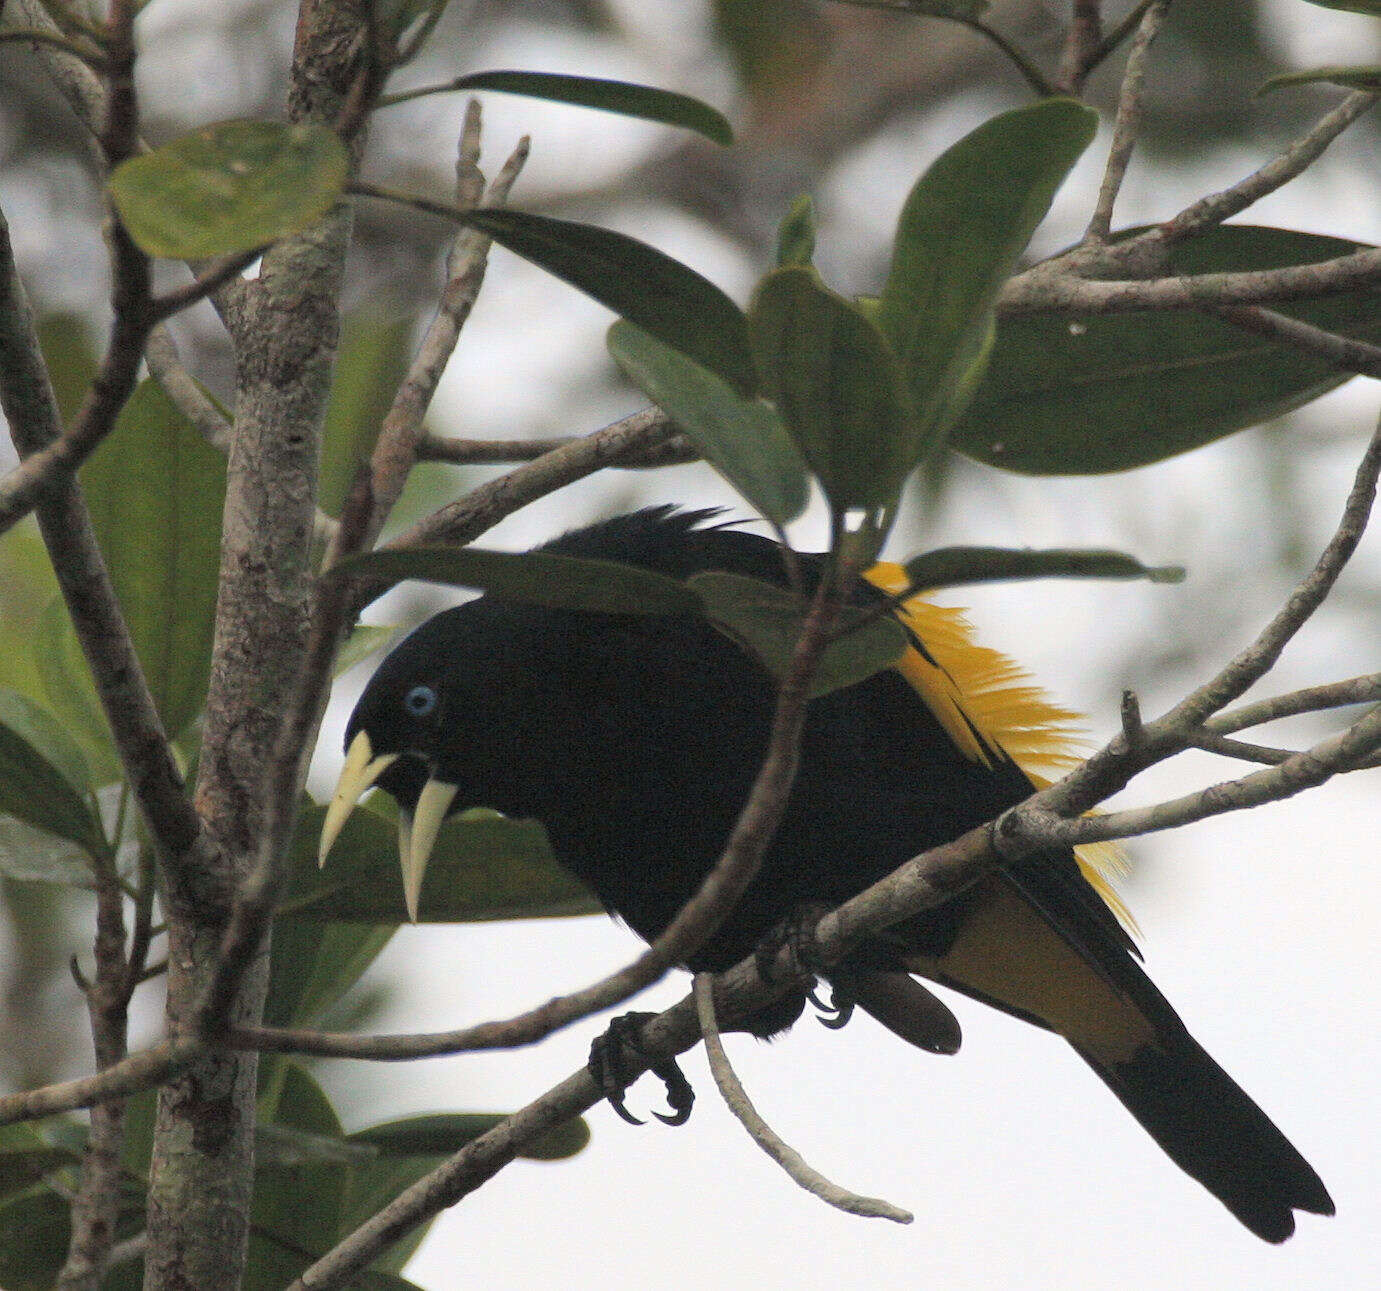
839,1010
607,1067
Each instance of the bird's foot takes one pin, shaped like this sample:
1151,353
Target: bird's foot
608,1065
796,935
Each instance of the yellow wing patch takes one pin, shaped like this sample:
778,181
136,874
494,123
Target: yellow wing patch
990,708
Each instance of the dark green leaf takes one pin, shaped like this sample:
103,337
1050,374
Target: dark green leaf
445,1133
409,1148
622,97
1366,77
796,233
541,578
837,387
371,360
229,187
743,439
659,294
301,1203
484,866
20,1170
957,9
155,490
961,232
313,964
766,620
34,1232
46,734
1108,393
69,690
953,566
33,790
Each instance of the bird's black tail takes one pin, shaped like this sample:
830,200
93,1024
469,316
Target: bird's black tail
1214,1132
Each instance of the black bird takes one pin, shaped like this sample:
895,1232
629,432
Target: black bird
635,739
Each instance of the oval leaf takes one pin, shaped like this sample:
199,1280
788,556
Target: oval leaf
34,791
766,620
229,187
743,439
155,490
837,387
484,866
558,582
1366,78
796,233
1112,392
659,294
445,1133
954,566
69,690
622,97
961,232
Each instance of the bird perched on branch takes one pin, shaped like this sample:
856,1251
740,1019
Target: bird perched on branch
635,739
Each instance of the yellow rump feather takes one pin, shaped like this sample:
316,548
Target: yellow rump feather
991,710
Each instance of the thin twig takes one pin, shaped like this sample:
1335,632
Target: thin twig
1341,351
465,519
1081,40
140,1071
95,1206
1047,289
1129,107
201,411
1212,742
1365,689
798,1169
676,451
1296,159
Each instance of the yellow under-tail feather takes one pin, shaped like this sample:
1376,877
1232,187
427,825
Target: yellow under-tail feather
989,707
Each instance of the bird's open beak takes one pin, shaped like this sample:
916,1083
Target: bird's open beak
417,830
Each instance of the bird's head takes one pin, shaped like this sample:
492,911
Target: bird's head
394,739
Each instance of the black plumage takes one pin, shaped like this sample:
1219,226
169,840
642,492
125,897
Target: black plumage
635,740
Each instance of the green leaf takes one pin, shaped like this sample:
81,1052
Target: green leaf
1087,395
33,790
365,639
22,1168
371,360
301,1203
443,1134
953,566
45,733
69,690
538,577
314,963
622,97
837,387
960,10
766,620
1366,77
796,233
412,1147
484,866
659,294
229,187
34,1232
961,232
155,490
743,439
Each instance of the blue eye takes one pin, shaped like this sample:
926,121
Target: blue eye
420,701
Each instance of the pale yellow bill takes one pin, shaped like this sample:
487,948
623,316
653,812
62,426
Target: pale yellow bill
417,836
360,771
